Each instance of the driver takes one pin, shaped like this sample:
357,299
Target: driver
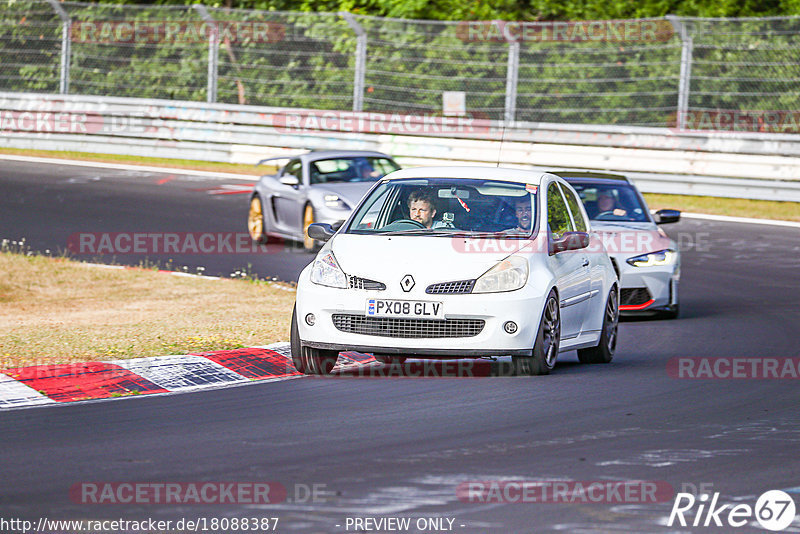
607,204
421,207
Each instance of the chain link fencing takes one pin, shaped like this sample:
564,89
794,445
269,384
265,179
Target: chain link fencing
707,74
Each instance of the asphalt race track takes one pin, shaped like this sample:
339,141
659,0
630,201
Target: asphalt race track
399,446
47,204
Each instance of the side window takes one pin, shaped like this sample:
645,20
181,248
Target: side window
557,214
577,216
295,169
382,165
370,218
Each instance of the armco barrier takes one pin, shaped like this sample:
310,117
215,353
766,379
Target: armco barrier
731,164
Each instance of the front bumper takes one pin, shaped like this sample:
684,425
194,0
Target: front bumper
523,306
657,287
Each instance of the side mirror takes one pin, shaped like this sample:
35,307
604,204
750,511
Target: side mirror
289,179
667,216
320,231
569,241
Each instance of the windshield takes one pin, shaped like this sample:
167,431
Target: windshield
357,169
611,202
448,207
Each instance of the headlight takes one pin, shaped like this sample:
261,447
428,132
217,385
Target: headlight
508,275
333,201
326,272
653,259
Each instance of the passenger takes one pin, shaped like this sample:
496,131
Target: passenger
522,209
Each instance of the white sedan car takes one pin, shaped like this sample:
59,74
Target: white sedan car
459,262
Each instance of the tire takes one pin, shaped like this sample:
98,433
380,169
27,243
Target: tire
308,360
671,313
310,245
604,351
318,361
294,342
548,339
255,221
390,360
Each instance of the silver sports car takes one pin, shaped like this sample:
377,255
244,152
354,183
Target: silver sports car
317,187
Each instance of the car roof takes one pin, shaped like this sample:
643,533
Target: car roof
487,173
332,154
591,177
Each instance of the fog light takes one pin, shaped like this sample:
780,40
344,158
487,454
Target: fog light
510,327
310,319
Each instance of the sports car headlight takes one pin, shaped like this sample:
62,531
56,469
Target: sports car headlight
654,259
508,275
333,201
326,272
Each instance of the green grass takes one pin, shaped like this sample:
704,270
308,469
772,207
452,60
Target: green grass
56,310
736,207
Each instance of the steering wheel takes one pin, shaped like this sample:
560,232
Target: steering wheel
612,215
409,221
403,224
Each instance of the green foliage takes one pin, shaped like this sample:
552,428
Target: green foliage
524,9
309,60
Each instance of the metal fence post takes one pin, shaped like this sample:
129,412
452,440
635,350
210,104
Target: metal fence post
66,39
684,85
512,75
361,60
213,53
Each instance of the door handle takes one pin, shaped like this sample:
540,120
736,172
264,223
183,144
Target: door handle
585,262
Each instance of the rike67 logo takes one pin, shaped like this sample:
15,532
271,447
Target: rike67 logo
774,510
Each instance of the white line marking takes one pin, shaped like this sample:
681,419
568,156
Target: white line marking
746,220
123,167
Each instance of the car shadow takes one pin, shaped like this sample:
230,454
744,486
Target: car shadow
367,367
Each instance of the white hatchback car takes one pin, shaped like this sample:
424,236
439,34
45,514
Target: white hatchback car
458,262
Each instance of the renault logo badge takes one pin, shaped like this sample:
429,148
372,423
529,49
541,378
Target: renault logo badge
407,283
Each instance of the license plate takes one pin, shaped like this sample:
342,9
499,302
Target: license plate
405,308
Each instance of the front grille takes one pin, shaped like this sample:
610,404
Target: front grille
407,328
453,288
356,282
634,296
615,266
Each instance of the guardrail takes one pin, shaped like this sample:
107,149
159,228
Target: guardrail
729,164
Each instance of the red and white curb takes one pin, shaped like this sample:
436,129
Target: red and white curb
52,384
